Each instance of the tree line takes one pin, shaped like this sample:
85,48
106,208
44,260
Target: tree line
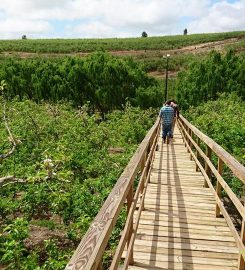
102,80
206,79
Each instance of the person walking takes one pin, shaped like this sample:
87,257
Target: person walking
174,105
167,115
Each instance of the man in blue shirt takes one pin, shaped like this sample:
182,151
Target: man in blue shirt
167,115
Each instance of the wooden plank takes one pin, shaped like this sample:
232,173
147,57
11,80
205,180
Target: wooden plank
177,178
183,218
172,175
187,235
180,208
174,239
187,225
180,196
165,189
156,226
182,188
180,217
167,198
175,171
175,210
169,180
145,264
190,246
159,258
182,199
184,251
186,205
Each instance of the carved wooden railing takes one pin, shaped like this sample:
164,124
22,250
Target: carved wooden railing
88,254
193,139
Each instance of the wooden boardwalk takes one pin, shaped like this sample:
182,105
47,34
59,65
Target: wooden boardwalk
178,228
176,218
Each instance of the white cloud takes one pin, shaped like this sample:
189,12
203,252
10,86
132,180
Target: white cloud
91,30
222,16
15,28
111,18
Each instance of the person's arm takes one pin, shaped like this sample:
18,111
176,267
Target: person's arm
160,113
177,111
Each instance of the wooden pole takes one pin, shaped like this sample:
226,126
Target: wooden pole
207,169
191,134
241,262
100,266
197,153
218,185
129,203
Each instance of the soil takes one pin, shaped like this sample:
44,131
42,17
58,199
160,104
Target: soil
38,234
162,74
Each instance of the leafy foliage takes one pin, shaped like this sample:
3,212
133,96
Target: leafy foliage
206,79
106,82
224,121
77,144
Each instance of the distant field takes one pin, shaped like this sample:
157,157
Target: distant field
115,44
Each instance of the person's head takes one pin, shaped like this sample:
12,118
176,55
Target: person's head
168,102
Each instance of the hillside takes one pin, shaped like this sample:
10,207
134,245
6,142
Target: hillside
148,51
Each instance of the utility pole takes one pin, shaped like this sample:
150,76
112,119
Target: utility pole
166,79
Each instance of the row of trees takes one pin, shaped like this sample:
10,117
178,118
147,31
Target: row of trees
106,82
206,79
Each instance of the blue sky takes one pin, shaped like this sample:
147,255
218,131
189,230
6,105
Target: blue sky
117,18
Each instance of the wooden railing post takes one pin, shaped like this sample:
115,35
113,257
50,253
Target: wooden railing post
100,266
207,169
184,135
142,166
191,134
188,140
241,263
129,203
218,185
197,153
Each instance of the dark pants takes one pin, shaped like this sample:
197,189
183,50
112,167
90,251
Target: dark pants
166,131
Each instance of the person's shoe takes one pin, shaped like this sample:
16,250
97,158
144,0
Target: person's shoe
168,140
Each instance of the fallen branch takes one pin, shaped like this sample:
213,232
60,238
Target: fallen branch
13,140
10,179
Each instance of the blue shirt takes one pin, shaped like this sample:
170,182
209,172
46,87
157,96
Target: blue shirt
167,115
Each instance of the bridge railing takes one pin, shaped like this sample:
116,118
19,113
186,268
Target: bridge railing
89,253
193,139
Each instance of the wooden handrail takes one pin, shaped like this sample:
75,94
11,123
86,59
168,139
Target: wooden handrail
188,130
91,248
237,168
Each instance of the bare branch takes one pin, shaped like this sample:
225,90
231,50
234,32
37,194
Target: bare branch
10,179
13,140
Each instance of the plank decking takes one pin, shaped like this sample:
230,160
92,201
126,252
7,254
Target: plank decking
178,228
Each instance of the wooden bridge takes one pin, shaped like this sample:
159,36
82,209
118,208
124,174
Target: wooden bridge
176,218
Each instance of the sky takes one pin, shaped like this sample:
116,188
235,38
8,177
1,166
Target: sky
117,18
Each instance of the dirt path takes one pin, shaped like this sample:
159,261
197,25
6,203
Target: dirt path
195,49
162,74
